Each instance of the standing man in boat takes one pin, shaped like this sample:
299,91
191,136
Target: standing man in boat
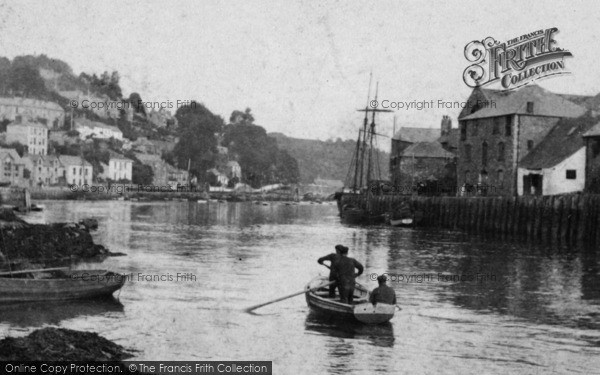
383,293
344,269
332,258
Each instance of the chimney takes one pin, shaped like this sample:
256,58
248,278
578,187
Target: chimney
446,125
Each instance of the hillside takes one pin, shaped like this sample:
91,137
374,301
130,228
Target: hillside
324,159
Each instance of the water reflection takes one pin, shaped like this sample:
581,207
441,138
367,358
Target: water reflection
542,301
36,314
381,335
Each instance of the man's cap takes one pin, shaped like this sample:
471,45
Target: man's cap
339,247
343,250
381,278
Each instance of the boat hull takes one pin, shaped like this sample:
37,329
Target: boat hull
362,311
77,285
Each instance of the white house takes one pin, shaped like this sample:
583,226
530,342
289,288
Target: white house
557,164
118,168
88,128
234,169
33,135
77,170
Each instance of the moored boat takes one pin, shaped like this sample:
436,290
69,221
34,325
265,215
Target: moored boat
58,285
406,222
318,300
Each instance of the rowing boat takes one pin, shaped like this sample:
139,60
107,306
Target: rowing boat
318,300
58,285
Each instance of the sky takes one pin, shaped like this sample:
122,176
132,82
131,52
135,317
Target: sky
302,66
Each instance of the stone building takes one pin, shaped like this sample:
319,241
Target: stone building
425,163
433,151
498,129
12,167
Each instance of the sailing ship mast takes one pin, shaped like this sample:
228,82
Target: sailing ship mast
359,157
371,135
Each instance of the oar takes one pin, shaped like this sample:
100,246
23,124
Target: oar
252,308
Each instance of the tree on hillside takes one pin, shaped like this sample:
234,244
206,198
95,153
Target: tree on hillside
136,101
26,80
241,118
107,84
261,160
197,140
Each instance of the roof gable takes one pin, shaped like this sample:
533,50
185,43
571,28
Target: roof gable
502,103
565,138
414,135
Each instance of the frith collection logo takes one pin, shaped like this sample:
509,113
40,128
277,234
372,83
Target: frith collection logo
516,62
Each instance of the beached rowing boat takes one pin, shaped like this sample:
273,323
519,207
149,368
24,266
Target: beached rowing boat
361,310
57,285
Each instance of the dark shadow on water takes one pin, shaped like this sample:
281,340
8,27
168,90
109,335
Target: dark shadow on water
381,335
35,314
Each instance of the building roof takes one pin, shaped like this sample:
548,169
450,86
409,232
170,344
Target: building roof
117,156
10,151
149,158
563,140
427,150
32,123
69,160
33,103
502,103
414,135
84,122
593,132
451,139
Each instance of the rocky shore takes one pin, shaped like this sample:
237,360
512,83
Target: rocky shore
61,344
23,244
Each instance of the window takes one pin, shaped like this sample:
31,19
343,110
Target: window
475,127
571,174
507,126
529,145
529,107
467,177
7,167
74,172
468,150
500,176
484,154
496,125
463,130
501,151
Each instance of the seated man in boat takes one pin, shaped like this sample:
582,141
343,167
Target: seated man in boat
383,293
332,258
344,268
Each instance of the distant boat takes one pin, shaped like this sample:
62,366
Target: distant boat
37,207
56,284
363,173
361,310
406,222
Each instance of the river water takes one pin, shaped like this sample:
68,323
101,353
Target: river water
518,309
